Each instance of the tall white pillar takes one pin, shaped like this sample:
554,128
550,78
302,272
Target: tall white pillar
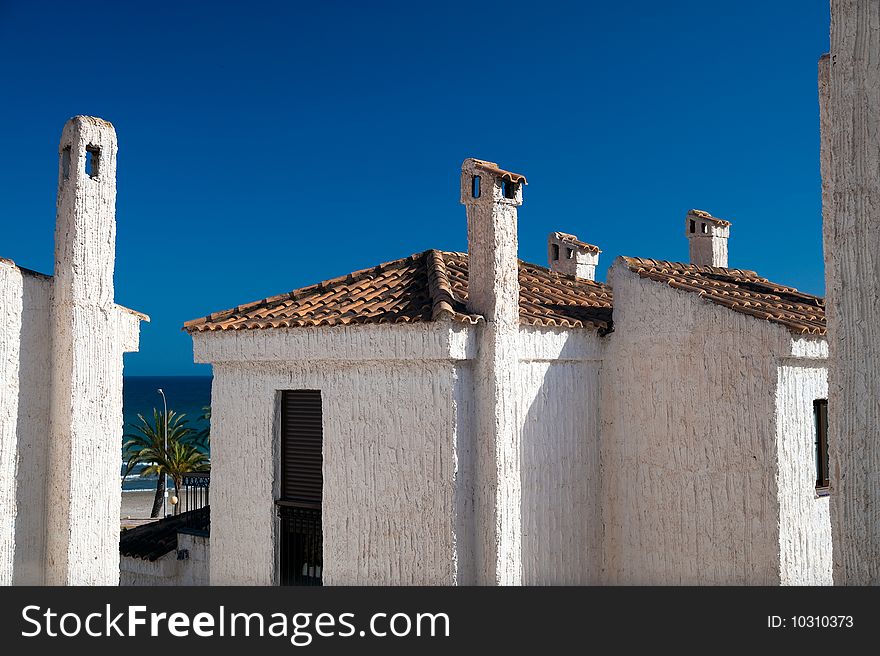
851,208
491,196
82,524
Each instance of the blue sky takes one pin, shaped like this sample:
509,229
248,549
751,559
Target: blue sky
267,146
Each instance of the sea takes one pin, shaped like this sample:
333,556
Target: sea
187,395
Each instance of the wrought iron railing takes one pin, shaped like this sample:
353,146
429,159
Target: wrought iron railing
301,543
194,499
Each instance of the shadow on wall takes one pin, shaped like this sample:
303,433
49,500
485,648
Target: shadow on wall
561,520
32,430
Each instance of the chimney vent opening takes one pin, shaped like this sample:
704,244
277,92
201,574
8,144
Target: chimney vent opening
508,189
65,163
93,161
475,186
693,226
554,249
569,253
704,228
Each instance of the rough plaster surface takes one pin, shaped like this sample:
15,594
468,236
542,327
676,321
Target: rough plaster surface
851,207
691,445
393,473
804,519
709,248
493,291
24,422
168,570
558,404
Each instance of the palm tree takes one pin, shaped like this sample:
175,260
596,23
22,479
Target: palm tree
147,446
203,437
181,458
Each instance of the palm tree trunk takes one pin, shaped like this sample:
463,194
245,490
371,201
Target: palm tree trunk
178,481
159,498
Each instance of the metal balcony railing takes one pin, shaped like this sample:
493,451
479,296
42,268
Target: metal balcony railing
301,544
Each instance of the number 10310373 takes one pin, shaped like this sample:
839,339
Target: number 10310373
810,622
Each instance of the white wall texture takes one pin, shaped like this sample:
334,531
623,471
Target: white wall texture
804,519
493,292
558,406
393,474
690,444
24,422
849,86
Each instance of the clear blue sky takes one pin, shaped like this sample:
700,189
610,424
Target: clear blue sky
266,146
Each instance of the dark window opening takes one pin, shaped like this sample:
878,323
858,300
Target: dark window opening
554,250
508,188
93,161
704,228
569,253
475,186
820,421
693,226
65,163
300,542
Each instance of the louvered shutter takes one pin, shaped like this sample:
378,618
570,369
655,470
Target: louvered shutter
302,441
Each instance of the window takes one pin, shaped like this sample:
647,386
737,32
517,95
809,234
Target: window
820,421
475,186
93,161
508,188
554,251
300,541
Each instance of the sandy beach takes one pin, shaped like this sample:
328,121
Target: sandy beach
137,505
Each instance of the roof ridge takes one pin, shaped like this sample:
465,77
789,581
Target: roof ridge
687,266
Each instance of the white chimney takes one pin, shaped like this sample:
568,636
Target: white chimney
708,237
491,196
570,256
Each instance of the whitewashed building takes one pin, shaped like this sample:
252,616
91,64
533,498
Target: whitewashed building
61,343
468,418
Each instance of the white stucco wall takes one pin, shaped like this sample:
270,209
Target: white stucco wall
804,520
168,570
393,474
24,422
689,443
850,94
558,406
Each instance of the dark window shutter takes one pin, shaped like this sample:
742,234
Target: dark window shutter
302,441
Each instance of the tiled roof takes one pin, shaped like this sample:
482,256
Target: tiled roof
492,167
703,214
423,287
154,540
741,291
574,241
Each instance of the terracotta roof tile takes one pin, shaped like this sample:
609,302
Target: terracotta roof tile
703,214
741,291
423,287
572,239
492,167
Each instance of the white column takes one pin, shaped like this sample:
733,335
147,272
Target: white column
851,207
82,524
493,291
